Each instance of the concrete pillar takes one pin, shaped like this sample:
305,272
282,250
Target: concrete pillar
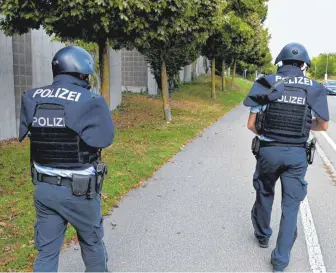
152,85
43,51
187,73
182,75
201,65
115,79
197,67
7,101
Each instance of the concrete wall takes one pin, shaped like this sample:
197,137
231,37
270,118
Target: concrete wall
199,66
25,62
43,50
33,53
152,86
187,73
181,74
115,79
134,71
22,61
7,101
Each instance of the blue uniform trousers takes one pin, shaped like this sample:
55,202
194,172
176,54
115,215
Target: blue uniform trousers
55,207
290,165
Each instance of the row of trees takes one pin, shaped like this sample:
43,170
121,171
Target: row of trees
169,33
324,63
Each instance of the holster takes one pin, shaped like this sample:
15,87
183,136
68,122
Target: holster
101,171
310,150
255,146
33,174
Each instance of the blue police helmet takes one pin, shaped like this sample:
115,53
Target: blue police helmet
294,52
72,59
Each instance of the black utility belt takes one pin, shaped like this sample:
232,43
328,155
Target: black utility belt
62,181
282,144
79,184
309,146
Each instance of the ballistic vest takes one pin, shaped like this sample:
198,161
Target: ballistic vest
68,125
55,145
289,104
287,119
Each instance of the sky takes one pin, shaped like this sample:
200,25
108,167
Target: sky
309,22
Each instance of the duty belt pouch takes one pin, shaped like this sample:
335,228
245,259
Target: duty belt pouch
260,121
255,145
80,184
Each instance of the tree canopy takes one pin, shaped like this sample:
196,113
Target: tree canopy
242,37
170,32
97,21
319,66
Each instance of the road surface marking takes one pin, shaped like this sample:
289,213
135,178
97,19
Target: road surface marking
330,141
326,160
314,250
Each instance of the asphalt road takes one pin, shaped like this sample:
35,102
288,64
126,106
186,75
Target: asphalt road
194,213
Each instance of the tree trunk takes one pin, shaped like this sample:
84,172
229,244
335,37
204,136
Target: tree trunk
233,72
104,70
165,94
213,78
223,76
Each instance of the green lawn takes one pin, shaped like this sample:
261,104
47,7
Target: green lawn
143,143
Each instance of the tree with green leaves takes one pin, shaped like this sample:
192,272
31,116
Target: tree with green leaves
96,21
259,57
248,15
216,49
169,28
322,64
237,38
179,56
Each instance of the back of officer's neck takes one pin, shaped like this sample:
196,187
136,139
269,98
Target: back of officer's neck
71,79
288,68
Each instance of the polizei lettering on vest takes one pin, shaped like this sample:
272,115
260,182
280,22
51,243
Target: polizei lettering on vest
48,122
292,99
60,93
296,80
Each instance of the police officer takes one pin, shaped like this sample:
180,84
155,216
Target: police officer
68,126
282,107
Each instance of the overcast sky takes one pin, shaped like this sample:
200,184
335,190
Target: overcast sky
309,22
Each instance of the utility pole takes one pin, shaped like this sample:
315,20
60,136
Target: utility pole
326,74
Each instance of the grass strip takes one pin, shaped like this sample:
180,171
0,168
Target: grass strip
143,143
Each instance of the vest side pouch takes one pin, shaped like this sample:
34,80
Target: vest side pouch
80,184
260,120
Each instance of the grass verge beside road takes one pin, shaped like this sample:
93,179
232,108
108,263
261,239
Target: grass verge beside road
142,144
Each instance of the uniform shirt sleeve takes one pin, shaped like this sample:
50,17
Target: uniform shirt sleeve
255,109
318,101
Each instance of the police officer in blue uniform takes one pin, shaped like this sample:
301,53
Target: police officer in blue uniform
284,107
68,126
